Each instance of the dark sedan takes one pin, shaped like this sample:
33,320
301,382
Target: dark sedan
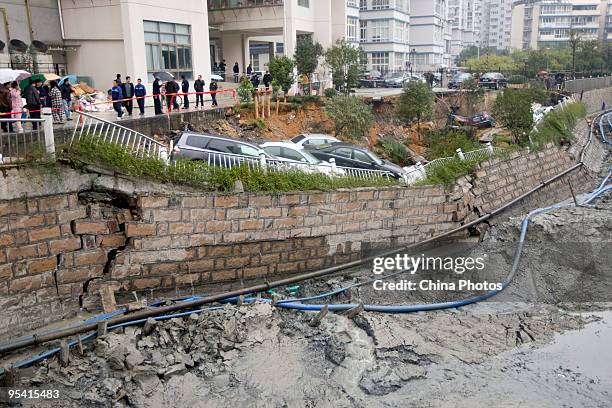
493,80
372,79
457,81
348,155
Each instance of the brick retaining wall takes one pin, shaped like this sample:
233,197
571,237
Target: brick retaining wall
59,248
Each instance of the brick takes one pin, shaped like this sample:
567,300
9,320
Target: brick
214,226
26,284
175,228
167,255
187,279
221,250
167,215
89,227
152,202
23,252
227,201
146,283
6,240
200,265
79,274
26,221
290,199
44,233
260,201
93,257
13,207
42,265
251,225
255,272
226,275
112,241
139,229
6,272
197,202
154,243
52,203
270,212
88,241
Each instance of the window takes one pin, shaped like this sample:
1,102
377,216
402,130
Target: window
292,155
380,30
304,3
363,31
380,4
223,146
168,48
380,61
361,156
197,141
351,28
351,3
343,152
247,150
273,150
363,4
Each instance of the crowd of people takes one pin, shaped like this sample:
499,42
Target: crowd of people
34,97
169,93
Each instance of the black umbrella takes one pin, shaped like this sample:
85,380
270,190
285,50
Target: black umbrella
163,76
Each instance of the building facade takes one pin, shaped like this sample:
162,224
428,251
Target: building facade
462,15
430,34
496,23
547,23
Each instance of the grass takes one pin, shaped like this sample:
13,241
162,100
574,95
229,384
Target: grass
444,143
90,150
449,172
557,127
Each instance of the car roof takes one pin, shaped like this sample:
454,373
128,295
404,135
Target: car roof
208,135
336,145
317,135
288,145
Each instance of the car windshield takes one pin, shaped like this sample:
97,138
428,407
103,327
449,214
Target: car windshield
374,158
311,159
462,77
393,75
298,138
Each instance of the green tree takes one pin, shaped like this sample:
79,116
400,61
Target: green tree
346,64
473,94
281,69
306,56
245,90
491,63
352,117
416,103
512,109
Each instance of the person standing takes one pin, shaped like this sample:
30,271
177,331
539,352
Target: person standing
127,88
255,81
236,70
5,107
172,88
156,97
16,105
213,92
57,103
117,96
267,80
43,91
118,79
66,90
33,101
198,85
185,90
249,70
140,92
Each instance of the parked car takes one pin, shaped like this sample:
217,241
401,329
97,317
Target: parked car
396,79
479,120
372,79
308,140
457,81
216,150
493,80
348,155
298,158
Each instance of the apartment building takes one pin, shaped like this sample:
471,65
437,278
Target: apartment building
547,23
607,35
430,34
462,15
496,23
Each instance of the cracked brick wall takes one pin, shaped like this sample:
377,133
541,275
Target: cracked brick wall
57,250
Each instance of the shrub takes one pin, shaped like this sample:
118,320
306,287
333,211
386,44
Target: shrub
416,102
558,125
352,117
394,151
346,63
512,109
330,92
281,69
449,172
245,90
517,79
444,143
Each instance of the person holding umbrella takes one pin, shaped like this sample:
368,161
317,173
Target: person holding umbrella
213,89
33,100
5,107
57,103
16,104
156,96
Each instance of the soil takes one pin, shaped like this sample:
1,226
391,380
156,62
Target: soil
544,342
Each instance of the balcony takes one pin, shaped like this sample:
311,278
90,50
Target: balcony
240,4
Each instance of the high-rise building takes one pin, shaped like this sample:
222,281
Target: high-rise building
546,23
462,17
430,34
495,23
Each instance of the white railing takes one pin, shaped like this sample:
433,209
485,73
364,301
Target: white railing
26,143
138,144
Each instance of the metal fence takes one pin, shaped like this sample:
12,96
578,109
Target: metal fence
135,142
26,139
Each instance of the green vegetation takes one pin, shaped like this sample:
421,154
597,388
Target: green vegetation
281,69
444,143
394,151
557,126
245,90
416,102
346,63
517,79
352,117
330,92
512,109
306,56
449,172
90,150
